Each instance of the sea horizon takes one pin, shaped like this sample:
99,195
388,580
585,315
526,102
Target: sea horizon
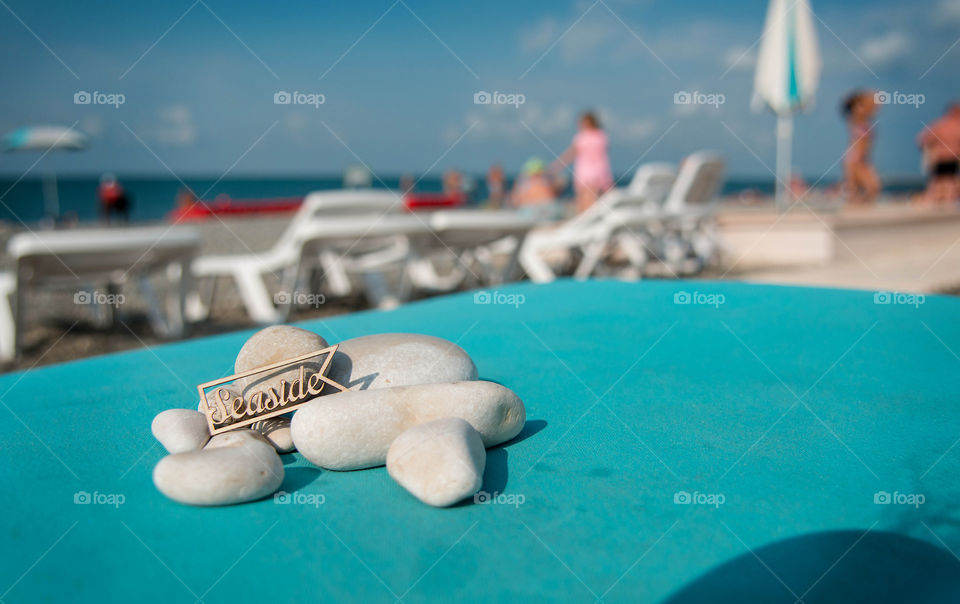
154,196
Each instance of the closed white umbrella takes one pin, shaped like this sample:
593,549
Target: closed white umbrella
46,138
788,71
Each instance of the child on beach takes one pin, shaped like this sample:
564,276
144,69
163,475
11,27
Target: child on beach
591,169
533,188
860,179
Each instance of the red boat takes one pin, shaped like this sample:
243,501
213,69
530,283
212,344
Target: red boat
433,201
235,207
225,206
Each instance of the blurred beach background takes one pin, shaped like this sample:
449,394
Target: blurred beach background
249,101
153,196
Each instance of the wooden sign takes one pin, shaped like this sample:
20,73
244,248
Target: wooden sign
226,410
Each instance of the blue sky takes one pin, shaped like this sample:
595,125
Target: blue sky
398,80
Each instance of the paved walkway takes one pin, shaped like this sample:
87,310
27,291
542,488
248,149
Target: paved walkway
904,249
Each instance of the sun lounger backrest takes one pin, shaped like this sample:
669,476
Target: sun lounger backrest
340,203
649,187
698,181
652,182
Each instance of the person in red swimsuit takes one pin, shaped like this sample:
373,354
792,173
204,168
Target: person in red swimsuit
113,199
860,178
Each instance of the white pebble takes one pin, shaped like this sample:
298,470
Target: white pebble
222,475
277,431
272,345
180,430
353,430
235,438
399,359
439,462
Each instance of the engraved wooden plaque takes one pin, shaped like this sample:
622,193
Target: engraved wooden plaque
228,411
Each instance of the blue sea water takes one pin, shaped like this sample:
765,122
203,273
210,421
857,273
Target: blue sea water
154,197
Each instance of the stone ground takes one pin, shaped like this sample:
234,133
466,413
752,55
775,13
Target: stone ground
895,249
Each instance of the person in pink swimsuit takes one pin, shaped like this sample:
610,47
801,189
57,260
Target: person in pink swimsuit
591,168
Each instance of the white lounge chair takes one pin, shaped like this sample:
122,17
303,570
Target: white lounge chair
676,232
476,245
688,242
588,233
284,260
82,260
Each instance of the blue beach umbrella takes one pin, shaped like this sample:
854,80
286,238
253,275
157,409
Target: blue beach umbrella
788,72
45,139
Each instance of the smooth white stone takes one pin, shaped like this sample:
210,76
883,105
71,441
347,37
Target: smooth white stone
399,359
236,438
272,345
222,475
353,430
439,462
277,431
180,430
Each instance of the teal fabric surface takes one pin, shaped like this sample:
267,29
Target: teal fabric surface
780,412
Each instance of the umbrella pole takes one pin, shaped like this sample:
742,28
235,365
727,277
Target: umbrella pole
784,144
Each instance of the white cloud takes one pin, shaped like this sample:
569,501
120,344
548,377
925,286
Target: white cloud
885,49
625,128
540,36
550,124
948,11
597,34
296,124
506,123
175,126
739,58
92,125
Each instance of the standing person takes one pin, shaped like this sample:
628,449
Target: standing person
113,199
940,142
496,186
591,168
860,178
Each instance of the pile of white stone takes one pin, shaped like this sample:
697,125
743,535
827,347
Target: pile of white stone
414,403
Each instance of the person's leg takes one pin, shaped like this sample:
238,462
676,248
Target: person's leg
940,189
871,183
953,189
851,183
585,198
